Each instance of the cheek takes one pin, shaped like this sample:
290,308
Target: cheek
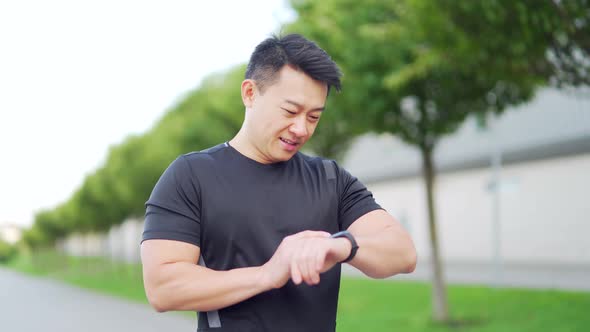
271,128
263,122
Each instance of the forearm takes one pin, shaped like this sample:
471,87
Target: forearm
385,253
185,286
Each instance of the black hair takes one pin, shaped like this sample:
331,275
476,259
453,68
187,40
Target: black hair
275,52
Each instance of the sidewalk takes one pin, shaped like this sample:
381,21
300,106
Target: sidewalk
542,276
38,304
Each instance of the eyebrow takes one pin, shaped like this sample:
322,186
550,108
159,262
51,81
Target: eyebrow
299,106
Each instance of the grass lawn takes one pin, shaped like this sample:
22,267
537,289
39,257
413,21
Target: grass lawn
366,305
370,305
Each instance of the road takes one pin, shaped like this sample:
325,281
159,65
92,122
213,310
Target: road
37,304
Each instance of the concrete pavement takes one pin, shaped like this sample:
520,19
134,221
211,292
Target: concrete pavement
37,304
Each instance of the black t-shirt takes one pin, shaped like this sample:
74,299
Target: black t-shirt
238,211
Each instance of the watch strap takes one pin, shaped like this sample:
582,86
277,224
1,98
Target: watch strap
353,249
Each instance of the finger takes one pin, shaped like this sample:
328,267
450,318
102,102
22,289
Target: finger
301,262
310,254
314,275
295,274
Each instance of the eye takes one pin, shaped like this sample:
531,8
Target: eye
290,112
313,117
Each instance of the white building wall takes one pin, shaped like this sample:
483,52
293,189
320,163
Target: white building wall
545,212
91,244
121,242
131,231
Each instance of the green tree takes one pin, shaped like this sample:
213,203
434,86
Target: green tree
7,251
545,39
33,237
51,222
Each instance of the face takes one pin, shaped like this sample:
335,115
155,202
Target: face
280,120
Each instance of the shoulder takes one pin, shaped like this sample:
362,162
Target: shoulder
314,161
201,158
332,170
207,154
328,167
307,159
187,165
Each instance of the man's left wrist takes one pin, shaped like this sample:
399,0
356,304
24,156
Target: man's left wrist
344,248
351,245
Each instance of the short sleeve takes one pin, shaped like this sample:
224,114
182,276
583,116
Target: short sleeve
174,208
354,199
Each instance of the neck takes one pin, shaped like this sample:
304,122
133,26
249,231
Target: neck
243,145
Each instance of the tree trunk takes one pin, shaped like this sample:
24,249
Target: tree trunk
440,307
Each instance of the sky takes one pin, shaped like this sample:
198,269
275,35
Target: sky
77,77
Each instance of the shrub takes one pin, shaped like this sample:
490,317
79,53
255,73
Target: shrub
7,251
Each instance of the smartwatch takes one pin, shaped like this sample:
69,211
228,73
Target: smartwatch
350,238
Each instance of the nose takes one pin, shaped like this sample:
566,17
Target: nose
299,127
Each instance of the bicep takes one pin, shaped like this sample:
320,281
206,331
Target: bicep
374,222
156,253
389,249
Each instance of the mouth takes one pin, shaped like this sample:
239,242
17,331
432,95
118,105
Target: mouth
289,144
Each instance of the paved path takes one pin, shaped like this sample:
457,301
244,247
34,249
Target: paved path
37,304
540,276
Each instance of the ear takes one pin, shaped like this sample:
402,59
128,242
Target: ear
248,92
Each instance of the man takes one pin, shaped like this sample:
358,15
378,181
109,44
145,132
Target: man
263,220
